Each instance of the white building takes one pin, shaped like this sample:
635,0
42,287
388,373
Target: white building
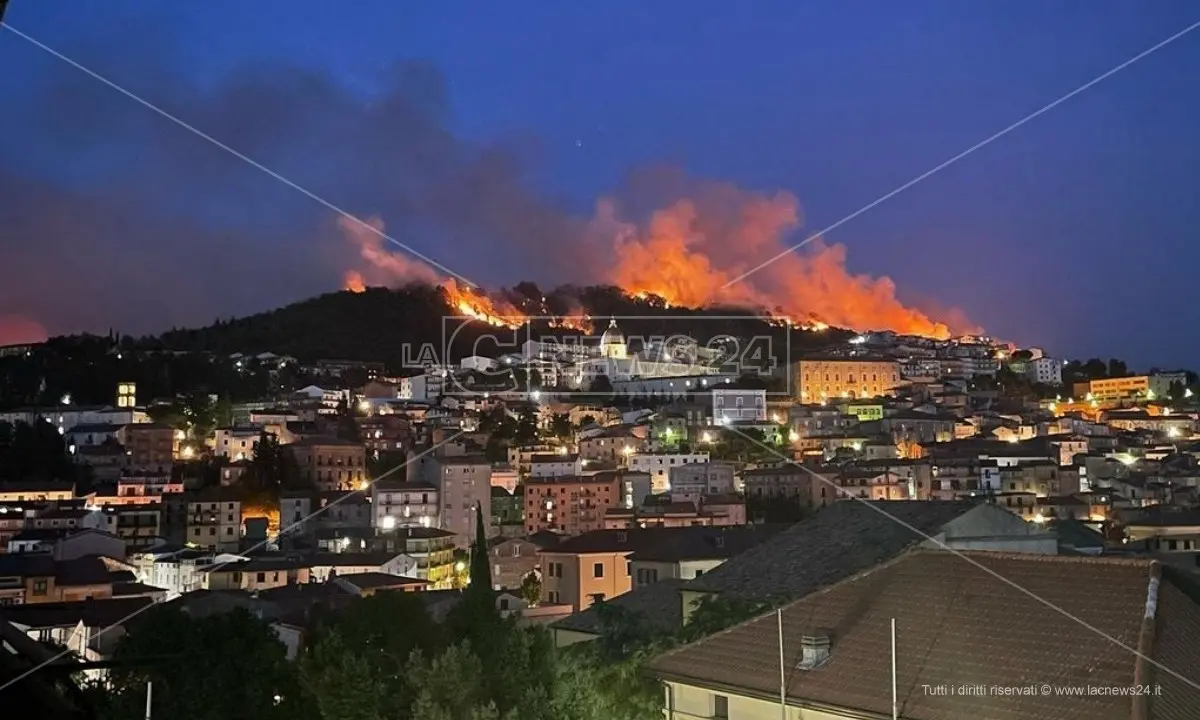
549,466
692,481
658,466
427,387
398,504
1044,370
236,443
735,405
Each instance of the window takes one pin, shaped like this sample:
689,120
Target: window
39,587
720,707
598,570
261,577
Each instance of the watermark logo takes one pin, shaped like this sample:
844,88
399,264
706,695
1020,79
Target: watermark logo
664,357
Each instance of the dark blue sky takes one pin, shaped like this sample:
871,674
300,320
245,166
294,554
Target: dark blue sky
1074,232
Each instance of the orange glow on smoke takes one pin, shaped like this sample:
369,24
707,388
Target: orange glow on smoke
687,258
693,253
354,281
395,268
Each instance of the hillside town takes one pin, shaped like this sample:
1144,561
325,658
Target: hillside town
888,473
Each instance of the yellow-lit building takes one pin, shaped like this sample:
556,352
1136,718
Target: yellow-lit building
829,379
1106,389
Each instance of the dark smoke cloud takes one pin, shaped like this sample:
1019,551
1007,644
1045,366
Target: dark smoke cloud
111,215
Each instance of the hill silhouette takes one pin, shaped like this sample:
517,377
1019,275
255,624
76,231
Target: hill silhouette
378,323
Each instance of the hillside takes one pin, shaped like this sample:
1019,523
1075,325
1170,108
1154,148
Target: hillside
378,323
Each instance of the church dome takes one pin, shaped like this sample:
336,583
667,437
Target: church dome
613,335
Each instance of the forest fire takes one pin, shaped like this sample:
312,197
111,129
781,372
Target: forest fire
695,255
697,252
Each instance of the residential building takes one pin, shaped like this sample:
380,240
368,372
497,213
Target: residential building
690,482
738,405
138,525
570,505
152,447
254,574
236,443
1044,370
330,463
214,520
833,641
464,485
555,465
27,578
819,380
611,445
432,549
658,466
25,491
590,567
400,504
693,551
514,558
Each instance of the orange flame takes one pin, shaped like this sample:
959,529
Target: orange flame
387,267
694,254
354,281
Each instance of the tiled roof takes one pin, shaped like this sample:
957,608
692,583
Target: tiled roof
957,624
656,604
93,613
836,542
707,543
368,580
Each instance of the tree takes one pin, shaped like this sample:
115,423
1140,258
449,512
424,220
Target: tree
246,671
1117,368
526,431
601,389
531,588
560,426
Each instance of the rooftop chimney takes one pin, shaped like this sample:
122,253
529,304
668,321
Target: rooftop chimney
814,650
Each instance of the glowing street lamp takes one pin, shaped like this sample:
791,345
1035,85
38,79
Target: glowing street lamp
389,522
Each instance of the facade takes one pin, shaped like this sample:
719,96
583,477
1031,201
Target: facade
570,505
214,521
331,463
398,504
691,482
548,466
236,443
828,379
658,466
1124,388
151,447
464,484
1044,370
734,405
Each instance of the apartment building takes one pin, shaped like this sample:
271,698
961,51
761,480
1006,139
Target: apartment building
401,504
464,483
330,463
658,466
692,481
570,505
151,447
214,520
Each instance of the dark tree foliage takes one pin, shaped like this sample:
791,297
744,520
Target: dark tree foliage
211,668
34,452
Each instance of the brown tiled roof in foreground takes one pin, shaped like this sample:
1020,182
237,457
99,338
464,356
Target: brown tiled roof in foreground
959,625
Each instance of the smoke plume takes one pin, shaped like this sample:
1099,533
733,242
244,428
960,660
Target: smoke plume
144,226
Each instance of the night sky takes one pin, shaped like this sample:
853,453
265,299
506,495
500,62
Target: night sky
476,130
